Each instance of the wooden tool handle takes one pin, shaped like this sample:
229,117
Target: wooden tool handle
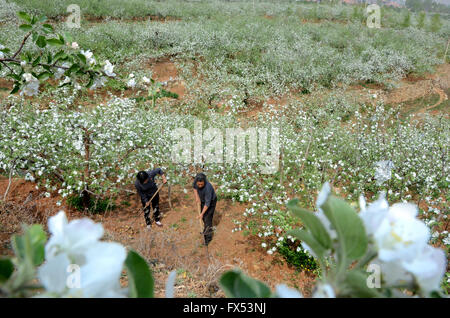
149,201
199,213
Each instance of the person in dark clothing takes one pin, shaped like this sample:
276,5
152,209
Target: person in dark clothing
146,188
205,194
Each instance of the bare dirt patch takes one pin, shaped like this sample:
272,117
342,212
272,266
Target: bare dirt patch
408,91
5,87
165,70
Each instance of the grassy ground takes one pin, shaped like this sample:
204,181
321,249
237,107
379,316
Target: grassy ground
444,107
411,107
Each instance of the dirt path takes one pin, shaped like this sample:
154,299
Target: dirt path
175,246
413,88
442,98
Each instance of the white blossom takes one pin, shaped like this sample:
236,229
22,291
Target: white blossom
77,242
89,57
109,69
31,87
98,82
131,83
284,291
383,171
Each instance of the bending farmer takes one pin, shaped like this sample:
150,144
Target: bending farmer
146,188
204,192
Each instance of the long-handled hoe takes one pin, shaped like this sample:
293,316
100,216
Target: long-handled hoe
199,206
201,227
150,201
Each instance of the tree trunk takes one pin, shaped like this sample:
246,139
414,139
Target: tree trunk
86,196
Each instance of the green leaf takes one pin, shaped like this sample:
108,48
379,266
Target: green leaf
24,16
90,83
309,240
82,58
26,27
37,239
60,55
73,68
41,41
139,275
31,245
61,38
44,76
15,89
312,223
42,19
357,283
6,269
5,50
54,42
19,246
27,57
48,28
34,36
237,285
349,227
36,61
14,76
68,37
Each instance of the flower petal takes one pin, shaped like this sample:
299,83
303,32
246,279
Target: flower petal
53,273
103,268
57,223
323,194
428,268
284,291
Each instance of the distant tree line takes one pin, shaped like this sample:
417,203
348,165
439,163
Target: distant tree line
427,6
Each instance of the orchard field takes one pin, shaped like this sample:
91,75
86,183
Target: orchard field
360,112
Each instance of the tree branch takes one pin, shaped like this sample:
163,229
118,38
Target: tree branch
129,151
13,166
21,45
40,64
7,66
